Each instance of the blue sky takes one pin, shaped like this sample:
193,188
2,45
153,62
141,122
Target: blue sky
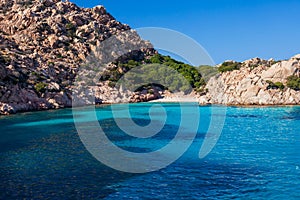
227,29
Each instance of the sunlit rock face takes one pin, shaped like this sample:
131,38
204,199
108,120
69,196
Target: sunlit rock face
250,85
43,44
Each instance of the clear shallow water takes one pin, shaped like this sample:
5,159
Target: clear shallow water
257,157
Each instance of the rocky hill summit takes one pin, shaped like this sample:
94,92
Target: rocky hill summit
255,82
42,45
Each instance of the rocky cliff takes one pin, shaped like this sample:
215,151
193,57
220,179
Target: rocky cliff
43,43
257,82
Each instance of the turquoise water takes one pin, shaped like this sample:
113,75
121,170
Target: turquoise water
256,157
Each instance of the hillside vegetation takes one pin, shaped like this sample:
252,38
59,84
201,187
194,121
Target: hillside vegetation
207,72
190,73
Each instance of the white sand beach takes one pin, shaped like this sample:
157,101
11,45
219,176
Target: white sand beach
176,97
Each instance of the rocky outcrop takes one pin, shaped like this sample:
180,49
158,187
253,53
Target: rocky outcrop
146,95
250,84
43,44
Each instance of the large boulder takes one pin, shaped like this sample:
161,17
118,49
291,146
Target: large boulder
6,109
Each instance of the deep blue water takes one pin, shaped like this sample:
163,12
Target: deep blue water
256,157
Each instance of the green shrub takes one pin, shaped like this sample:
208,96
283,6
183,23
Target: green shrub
71,30
5,59
51,64
253,66
279,85
78,79
157,59
202,91
40,87
273,62
132,63
207,71
111,84
2,60
36,76
293,82
275,86
229,66
59,56
150,91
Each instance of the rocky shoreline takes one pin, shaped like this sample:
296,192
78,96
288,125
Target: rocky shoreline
254,84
